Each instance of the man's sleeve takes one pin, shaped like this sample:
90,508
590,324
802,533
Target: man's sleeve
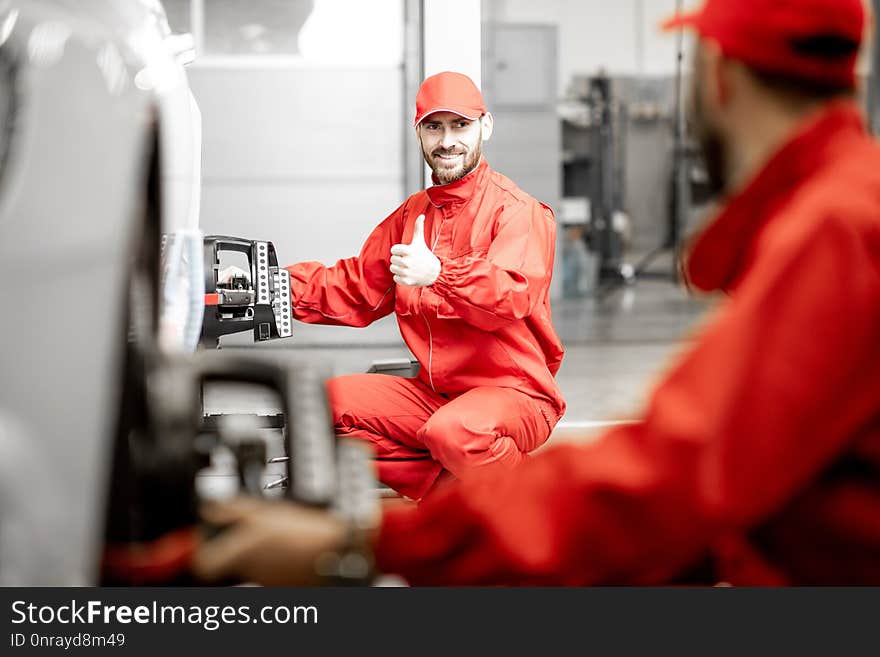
353,292
509,281
771,393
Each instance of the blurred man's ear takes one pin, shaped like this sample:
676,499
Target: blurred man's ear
487,124
714,70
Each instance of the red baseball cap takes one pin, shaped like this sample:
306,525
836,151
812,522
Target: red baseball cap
815,40
449,92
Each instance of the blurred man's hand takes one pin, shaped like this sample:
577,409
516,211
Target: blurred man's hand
266,542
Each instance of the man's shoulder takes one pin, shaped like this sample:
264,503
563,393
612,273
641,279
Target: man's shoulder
848,189
508,189
843,197
506,186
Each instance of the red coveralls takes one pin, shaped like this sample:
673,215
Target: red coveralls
759,455
486,394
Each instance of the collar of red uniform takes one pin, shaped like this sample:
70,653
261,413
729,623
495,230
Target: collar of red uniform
718,253
460,190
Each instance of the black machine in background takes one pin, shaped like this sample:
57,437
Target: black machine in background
605,178
688,183
684,159
599,172
259,302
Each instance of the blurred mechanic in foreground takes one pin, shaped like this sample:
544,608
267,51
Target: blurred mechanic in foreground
758,461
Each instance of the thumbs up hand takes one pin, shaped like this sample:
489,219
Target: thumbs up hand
413,264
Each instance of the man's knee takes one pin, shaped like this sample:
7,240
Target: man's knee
341,391
459,442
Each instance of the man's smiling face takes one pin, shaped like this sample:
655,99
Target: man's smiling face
451,144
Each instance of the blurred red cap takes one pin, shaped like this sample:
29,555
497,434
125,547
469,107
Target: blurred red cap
815,40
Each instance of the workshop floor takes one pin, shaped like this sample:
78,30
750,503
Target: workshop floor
615,350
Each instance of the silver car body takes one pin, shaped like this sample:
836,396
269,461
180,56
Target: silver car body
88,90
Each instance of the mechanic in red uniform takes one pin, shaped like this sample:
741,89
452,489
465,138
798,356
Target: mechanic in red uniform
465,265
758,459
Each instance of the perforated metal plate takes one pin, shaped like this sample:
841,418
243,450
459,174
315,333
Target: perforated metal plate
281,304
262,271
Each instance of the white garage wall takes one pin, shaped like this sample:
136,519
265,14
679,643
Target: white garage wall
308,159
304,121
622,37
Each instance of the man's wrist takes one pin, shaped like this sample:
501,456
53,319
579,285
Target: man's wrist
350,561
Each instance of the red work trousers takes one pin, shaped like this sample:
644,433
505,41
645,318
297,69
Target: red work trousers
417,433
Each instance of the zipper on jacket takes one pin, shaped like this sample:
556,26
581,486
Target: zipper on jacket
430,350
424,317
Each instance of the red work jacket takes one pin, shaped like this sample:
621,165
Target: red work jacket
486,319
758,460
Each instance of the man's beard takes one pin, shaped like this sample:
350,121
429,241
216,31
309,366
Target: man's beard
446,175
712,147
714,155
